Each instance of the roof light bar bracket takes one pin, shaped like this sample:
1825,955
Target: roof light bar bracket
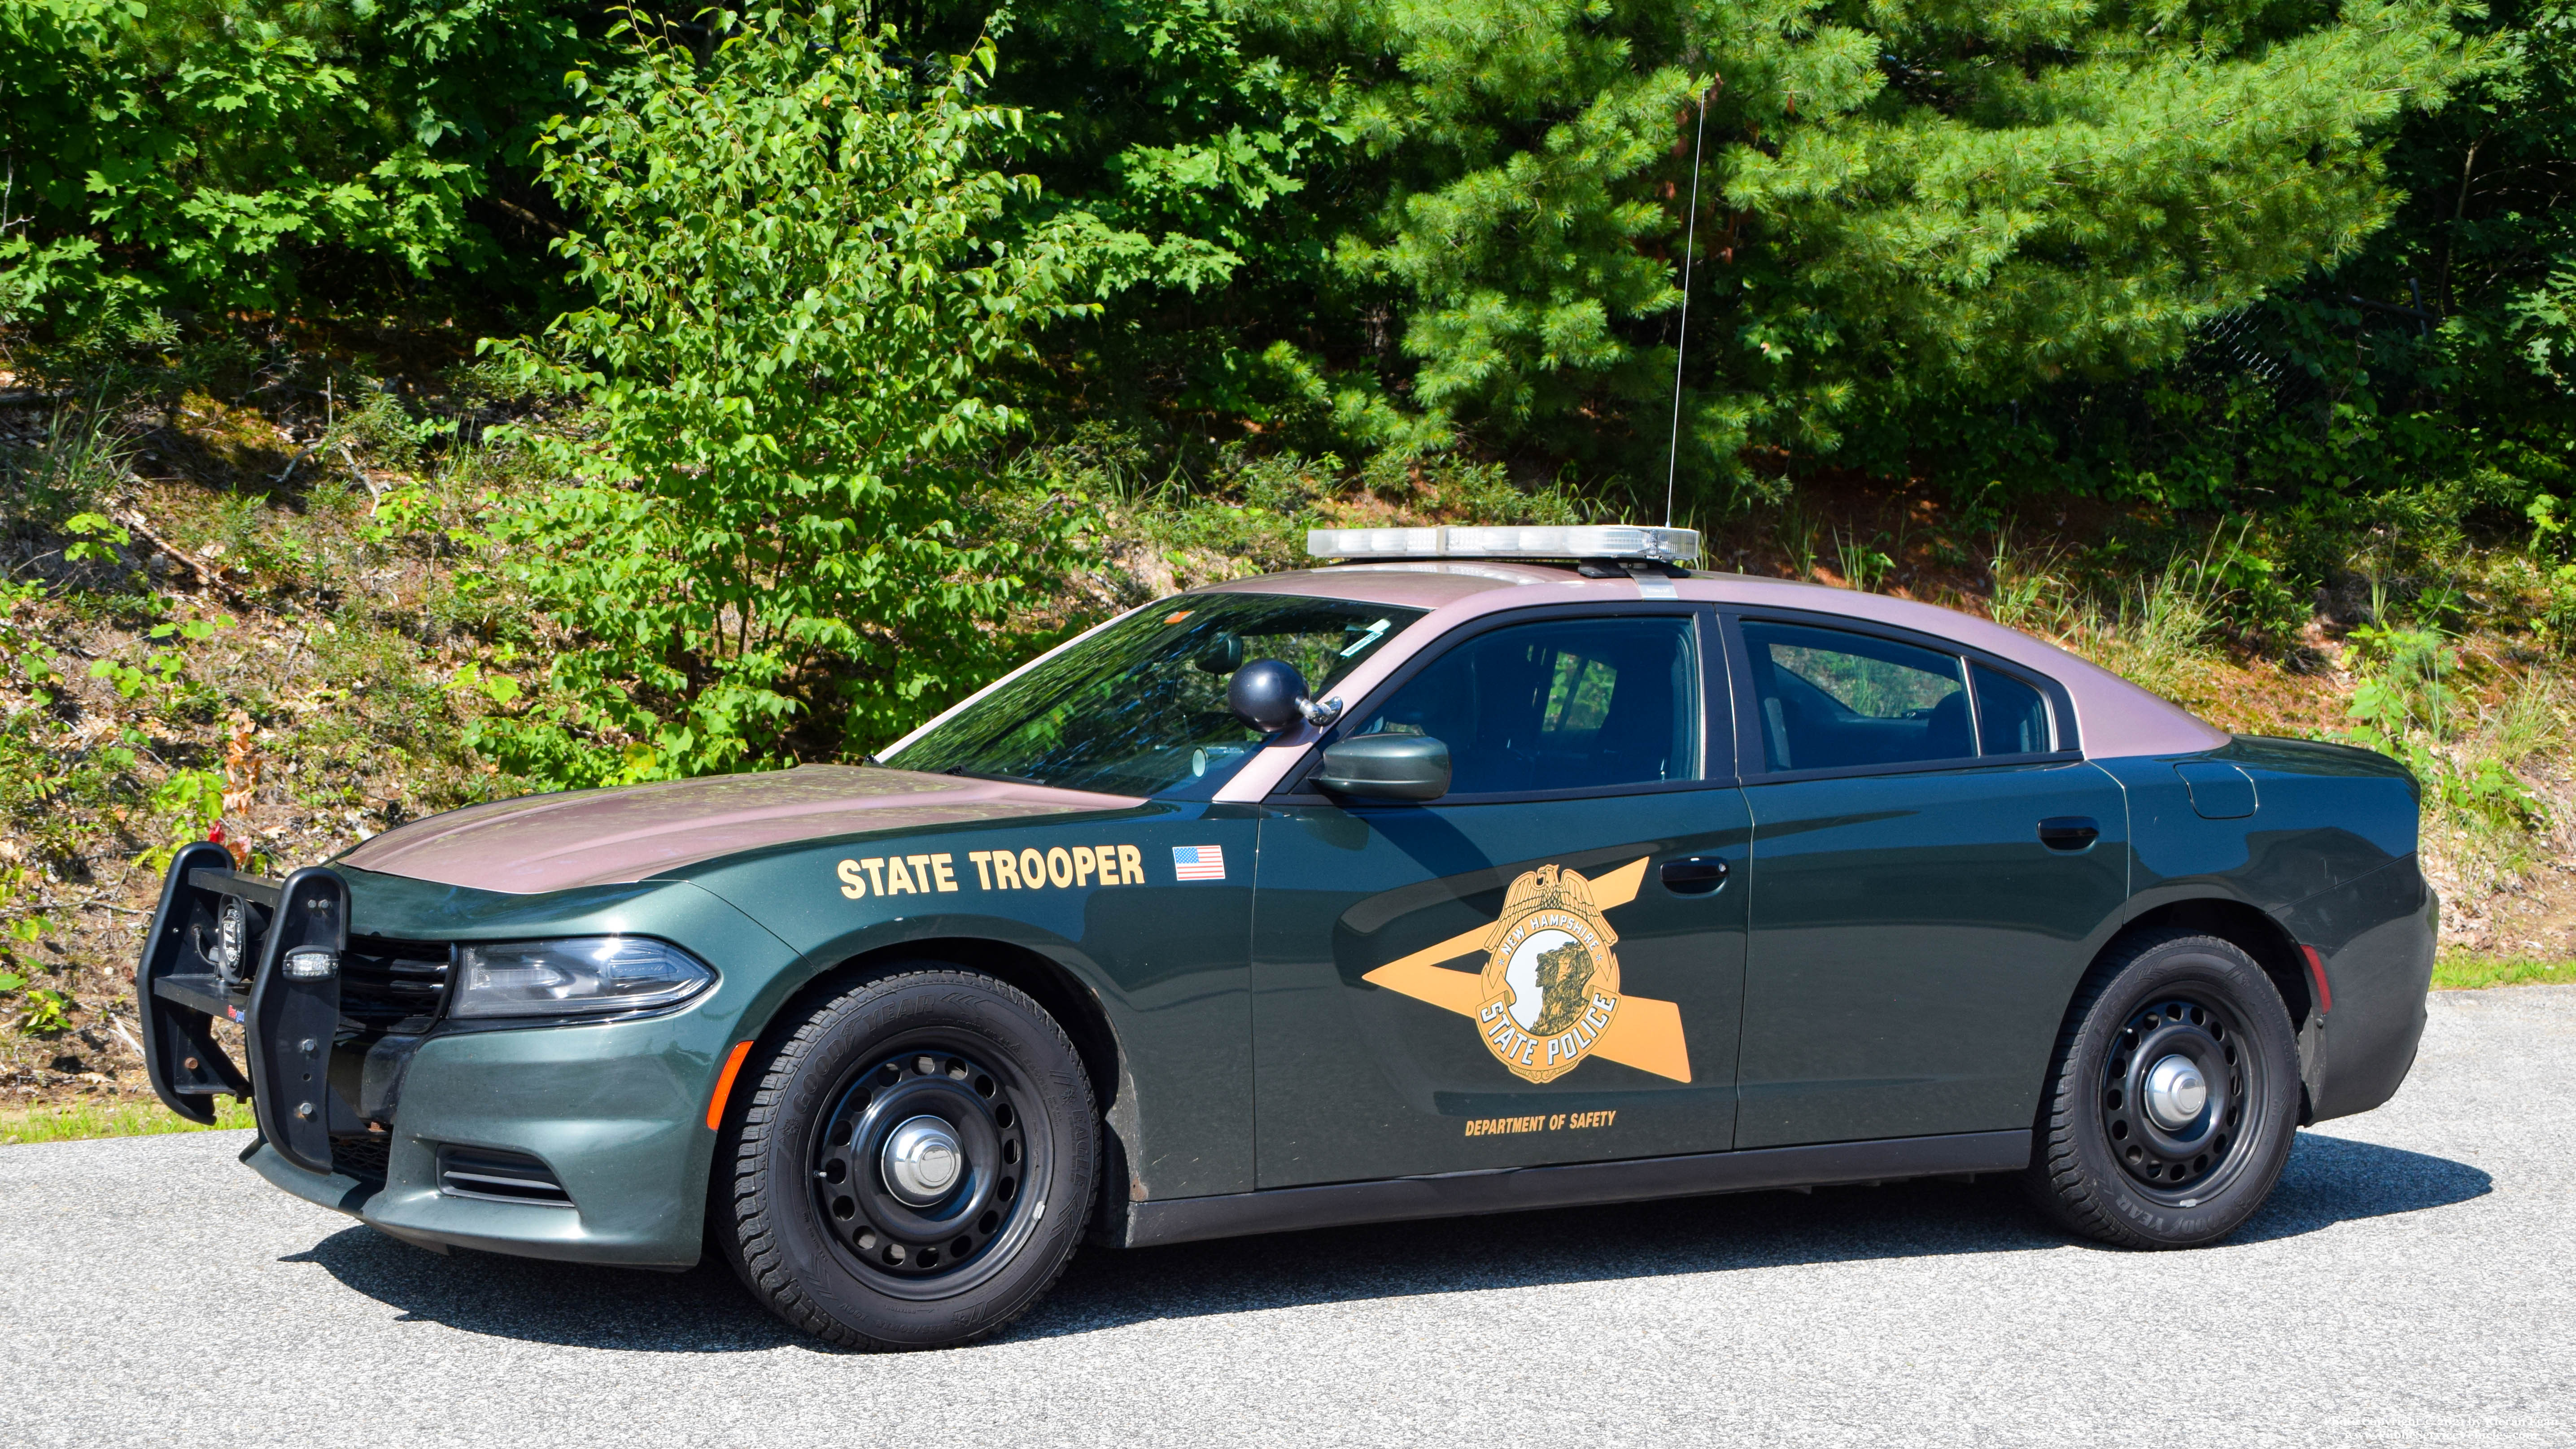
1628,568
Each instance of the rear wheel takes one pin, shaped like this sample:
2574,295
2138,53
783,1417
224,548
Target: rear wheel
2172,1099
913,1168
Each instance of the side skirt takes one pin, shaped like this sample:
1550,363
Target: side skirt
1289,1209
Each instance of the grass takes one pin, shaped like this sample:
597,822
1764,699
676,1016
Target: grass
2467,971
112,1119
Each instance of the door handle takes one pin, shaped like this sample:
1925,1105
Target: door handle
2068,832
1695,875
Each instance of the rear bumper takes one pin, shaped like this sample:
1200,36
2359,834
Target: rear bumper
613,1111
2375,940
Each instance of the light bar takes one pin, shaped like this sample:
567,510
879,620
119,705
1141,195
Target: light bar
1618,540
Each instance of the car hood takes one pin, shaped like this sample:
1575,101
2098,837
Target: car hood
540,843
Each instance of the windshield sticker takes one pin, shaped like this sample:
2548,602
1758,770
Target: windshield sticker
1368,638
1549,995
1198,862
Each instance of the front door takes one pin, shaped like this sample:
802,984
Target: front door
1933,869
1543,966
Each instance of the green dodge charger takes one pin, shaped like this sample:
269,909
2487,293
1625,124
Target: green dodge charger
1475,869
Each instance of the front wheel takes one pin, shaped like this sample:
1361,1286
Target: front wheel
2172,1098
915,1163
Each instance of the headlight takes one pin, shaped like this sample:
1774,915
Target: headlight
589,975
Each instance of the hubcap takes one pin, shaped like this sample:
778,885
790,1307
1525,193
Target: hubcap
922,1160
919,1167
2182,1086
2175,1092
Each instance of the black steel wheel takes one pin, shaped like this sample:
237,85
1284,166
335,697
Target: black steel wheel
2175,1094
915,1165
917,1171
2172,1099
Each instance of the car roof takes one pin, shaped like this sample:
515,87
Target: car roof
2113,717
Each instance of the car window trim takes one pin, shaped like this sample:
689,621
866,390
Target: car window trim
1717,722
1753,767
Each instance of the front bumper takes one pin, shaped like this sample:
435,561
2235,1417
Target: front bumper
400,1116
614,1111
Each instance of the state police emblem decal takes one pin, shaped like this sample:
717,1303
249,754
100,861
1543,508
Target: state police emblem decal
1551,981
1548,997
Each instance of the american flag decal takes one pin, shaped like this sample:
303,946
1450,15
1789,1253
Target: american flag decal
1198,862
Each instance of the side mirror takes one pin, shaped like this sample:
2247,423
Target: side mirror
1386,767
1267,695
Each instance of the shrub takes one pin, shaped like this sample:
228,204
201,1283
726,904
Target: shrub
803,263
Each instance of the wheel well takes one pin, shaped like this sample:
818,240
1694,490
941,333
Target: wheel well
2251,931
1047,983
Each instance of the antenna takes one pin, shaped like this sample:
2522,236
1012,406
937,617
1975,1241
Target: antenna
1681,348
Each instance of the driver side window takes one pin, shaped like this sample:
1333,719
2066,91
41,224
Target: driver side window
1563,705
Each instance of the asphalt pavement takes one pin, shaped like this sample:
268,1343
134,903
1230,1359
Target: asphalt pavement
2413,1281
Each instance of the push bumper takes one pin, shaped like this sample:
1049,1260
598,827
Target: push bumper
584,1141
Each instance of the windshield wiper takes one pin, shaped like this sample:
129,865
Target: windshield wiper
961,770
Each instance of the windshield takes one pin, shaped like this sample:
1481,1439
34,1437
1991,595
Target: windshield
1139,708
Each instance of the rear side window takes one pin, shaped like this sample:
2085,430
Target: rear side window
2011,717
1564,705
1831,700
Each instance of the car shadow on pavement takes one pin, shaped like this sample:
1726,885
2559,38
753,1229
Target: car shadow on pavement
703,1310
2330,1180
2335,1179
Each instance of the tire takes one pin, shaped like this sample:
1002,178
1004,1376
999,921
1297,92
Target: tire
830,1204
2114,1158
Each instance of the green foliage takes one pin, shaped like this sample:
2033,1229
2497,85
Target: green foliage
47,767
57,484
1363,225
1863,562
42,763
2417,393
803,277
2285,283
2557,620
194,799
26,663
2408,706
2158,624
1906,207
97,538
40,1008
162,669
207,153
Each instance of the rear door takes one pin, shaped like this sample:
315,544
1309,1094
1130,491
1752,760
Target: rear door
1933,867
1544,966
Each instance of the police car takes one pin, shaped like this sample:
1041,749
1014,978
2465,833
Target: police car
1475,869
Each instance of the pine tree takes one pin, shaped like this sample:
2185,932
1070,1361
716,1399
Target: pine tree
1903,205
